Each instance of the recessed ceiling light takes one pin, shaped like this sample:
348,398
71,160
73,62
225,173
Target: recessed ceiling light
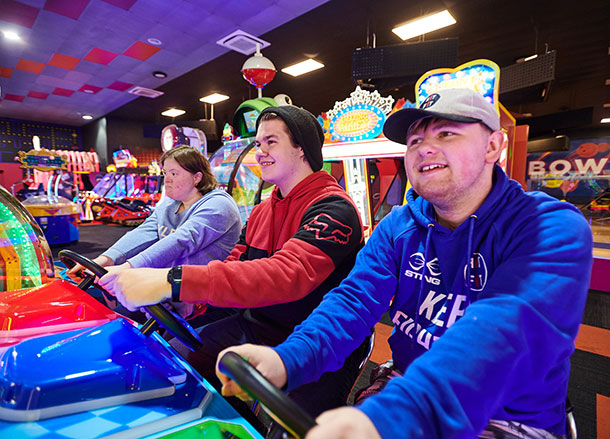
159,74
87,90
605,120
173,112
214,98
87,117
9,35
303,67
424,25
154,41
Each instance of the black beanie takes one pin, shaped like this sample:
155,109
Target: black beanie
305,130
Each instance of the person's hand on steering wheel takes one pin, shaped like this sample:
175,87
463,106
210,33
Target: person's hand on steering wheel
102,261
138,287
265,359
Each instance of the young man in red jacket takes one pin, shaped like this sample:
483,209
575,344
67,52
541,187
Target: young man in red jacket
297,245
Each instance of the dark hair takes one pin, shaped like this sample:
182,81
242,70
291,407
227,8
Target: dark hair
274,116
193,161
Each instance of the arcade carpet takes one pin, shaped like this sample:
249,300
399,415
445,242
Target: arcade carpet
96,237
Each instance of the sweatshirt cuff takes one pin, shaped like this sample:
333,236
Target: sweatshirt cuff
117,257
294,378
138,261
195,286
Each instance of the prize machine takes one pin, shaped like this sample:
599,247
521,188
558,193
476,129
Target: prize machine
371,166
57,215
355,152
72,368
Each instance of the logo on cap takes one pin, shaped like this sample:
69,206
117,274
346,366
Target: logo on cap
430,101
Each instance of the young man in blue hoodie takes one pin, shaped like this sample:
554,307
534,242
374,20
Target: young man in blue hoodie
485,285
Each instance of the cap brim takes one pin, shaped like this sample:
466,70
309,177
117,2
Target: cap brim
398,124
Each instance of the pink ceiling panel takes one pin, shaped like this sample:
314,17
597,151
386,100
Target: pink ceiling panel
63,92
37,95
141,51
91,89
100,56
67,8
29,66
123,4
10,97
119,86
64,61
18,13
5,72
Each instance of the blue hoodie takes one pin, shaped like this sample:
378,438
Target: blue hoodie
497,347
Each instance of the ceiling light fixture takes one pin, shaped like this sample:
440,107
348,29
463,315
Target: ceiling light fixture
87,117
10,35
154,41
303,67
424,25
159,74
173,112
214,98
605,120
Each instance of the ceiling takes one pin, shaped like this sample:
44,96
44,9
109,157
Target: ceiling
102,46
82,56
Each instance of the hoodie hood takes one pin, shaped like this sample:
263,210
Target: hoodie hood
423,211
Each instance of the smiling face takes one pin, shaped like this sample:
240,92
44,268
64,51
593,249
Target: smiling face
450,164
282,163
180,184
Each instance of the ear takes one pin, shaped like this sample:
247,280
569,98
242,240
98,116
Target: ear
198,176
495,144
301,152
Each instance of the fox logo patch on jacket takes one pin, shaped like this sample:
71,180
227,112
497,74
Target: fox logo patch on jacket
327,227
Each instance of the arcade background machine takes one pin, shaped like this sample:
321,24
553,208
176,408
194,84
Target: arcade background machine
57,215
371,166
356,153
72,368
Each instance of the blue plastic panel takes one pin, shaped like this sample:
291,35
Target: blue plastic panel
81,370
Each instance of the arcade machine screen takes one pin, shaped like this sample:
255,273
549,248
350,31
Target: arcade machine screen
250,120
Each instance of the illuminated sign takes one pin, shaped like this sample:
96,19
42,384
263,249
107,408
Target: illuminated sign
480,75
43,160
359,117
357,122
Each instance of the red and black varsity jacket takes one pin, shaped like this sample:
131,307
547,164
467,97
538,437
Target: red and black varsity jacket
291,252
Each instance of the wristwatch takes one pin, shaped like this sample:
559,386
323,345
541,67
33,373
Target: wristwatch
174,277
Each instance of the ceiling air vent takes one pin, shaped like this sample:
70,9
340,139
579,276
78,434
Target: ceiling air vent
242,42
145,92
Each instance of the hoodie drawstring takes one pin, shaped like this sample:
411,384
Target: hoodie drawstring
469,257
468,291
423,277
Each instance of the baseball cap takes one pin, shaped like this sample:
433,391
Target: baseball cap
456,104
305,129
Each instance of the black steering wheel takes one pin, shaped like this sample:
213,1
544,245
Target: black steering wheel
173,322
281,408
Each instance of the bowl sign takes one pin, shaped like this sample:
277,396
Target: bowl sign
357,122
